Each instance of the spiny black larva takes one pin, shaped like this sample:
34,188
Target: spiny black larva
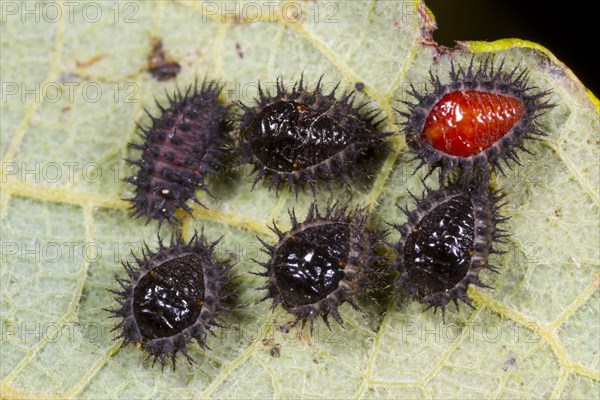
481,118
447,241
171,296
303,137
180,149
321,263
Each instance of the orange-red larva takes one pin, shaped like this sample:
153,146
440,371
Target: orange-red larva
476,123
467,122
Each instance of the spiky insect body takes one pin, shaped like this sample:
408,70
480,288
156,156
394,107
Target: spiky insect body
478,121
303,137
171,296
181,148
446,243
321,263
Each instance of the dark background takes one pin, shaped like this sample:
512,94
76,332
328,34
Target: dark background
568,29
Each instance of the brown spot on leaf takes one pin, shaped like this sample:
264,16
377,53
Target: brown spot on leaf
90,62
276,350
159,66
509,364
239,50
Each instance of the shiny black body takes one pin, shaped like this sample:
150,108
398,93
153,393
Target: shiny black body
288,136
310,265
299,137
447,241
171,296
321,263
438,252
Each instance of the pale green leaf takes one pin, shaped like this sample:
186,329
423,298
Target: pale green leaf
536,334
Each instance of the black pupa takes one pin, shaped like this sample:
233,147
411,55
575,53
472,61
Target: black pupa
321,263
172,296
302,136
446,243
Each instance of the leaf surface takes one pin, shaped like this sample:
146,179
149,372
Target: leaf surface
65,227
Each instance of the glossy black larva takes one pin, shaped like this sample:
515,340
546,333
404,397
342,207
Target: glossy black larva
321,263
181,147
476,122
447,241
170,297
303,137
